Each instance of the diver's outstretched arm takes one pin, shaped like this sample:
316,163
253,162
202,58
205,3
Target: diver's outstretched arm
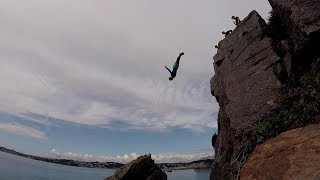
168,69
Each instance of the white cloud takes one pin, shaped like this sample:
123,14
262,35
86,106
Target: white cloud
22,130
158,157
54,153
102,61
105,98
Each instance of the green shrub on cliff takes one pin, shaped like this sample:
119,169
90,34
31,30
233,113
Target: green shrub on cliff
299,106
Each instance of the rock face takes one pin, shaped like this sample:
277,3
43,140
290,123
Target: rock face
251,65
301,17
143,168
292,155
245,85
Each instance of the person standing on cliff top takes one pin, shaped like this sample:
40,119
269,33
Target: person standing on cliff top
175,67
236,19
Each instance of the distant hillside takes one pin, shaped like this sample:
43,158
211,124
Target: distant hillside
67,162
200,164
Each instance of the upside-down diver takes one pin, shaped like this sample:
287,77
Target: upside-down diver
175,67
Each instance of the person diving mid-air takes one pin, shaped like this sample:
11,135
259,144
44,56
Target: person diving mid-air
175,67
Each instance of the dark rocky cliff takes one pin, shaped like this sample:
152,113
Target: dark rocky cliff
252,67
245,85
142,168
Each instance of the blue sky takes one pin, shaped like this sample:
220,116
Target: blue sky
85,79
100,141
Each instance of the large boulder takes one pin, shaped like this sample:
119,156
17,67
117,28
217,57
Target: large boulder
292,155
302,20
143,168
245,85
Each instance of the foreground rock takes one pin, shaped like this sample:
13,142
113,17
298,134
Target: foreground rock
292,155
143,168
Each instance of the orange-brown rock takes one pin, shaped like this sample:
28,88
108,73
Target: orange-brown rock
292,155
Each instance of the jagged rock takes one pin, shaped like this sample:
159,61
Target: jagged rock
245,85
143,168
302,20
292,155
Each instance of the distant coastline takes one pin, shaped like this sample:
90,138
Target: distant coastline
67,162
200,164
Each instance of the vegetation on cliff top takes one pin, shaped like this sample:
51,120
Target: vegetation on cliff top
299,107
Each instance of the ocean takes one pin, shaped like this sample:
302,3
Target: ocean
14,167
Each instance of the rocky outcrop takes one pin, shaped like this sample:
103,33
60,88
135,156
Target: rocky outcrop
302,21
245,85
292,155
252,64
143,168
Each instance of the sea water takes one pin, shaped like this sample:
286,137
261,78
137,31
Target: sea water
14,167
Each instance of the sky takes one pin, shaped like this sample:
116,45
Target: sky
86,79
